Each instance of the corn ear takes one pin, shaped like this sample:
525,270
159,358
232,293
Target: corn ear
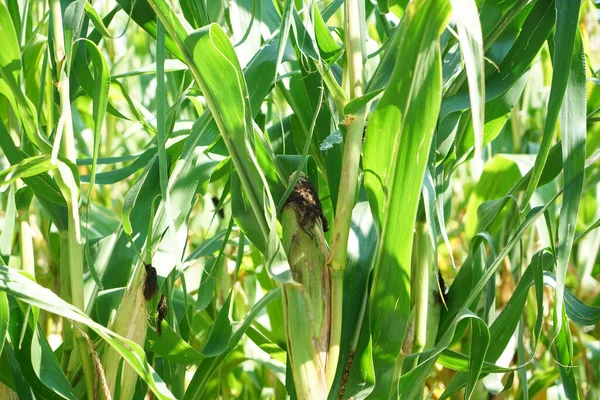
131,322
306,300
6,393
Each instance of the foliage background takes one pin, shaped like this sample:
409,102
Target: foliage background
142,130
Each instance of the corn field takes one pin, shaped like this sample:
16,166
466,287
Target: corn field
314,200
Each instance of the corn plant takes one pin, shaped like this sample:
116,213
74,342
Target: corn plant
299,199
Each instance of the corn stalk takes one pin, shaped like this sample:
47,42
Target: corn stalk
71,242
354,75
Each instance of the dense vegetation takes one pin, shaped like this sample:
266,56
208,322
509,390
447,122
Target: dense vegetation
315,199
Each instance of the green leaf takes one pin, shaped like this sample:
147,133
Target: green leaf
497,112
47,367
6,374
92,85
213,62
119,174
471,45
29,167
4,318
573,128
503,327
305,98
563,346
18,286
10,85
130,200
567,17
576,310
383,6
396,150
460,362
170,346
500,175
101,87
328,48
221,331
32,54
209,365
10,58
192,169
37,362
141,12
171,65
505,324
476,288
72,19
44,187
354,105
503,88
91,13
411,383
479,342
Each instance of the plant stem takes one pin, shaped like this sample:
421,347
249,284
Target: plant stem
354,134
65,294
339,97
73,244
68,140
355,41
25,240
354,10
26,243
72,276
425,291
76,277
420,289
337,303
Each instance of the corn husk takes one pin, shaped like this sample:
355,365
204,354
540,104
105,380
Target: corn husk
6,393
131,322
306,300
